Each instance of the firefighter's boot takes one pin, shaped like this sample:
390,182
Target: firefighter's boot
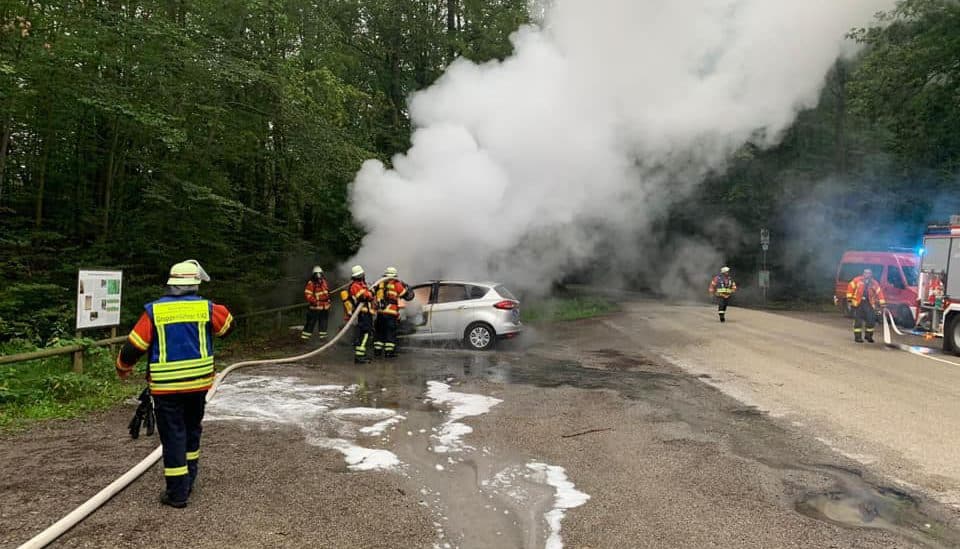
857,337
869,336
723,317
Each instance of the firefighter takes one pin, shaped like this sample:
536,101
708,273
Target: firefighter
935,290
361,297
388,293
176,333
722,287
317,295
866,299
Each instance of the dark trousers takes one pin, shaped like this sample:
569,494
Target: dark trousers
362,335
722,307
179,419
864,319
386,336
316,320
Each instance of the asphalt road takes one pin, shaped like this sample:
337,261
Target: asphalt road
892,410
610,432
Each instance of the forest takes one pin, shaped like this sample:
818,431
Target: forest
134,134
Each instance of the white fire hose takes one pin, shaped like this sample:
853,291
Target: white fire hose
60,527
889,324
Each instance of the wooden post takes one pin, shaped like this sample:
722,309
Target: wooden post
279,320
78,358
113,346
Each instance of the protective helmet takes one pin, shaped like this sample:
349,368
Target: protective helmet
390,272
356,271
317,270
187,273
725,270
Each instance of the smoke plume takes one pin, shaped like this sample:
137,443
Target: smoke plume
571,150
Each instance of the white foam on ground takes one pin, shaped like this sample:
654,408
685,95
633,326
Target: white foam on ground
363,414
449,437
290,401
566,497
380,427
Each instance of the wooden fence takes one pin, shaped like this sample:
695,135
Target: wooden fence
245,323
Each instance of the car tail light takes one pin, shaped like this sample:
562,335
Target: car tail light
505,305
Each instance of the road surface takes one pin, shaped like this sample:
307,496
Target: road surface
647,428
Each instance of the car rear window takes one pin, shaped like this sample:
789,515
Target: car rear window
476,292
504,292
449,293
849,271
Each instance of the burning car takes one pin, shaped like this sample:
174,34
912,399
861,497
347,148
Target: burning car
474,313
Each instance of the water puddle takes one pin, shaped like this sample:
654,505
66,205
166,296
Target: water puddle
854,503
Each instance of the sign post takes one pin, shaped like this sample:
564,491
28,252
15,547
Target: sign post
98,304
764,281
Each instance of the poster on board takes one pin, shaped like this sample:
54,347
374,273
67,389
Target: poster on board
98,299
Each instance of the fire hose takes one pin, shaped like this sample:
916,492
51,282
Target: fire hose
73,518
889,324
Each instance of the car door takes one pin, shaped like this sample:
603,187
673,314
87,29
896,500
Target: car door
447,311
418,310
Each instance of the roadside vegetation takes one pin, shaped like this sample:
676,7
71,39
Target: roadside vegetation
49,389
560,308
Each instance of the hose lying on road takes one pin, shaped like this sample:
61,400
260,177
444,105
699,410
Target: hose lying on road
83,511
889,324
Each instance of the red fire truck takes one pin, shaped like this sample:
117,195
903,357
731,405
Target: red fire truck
938,295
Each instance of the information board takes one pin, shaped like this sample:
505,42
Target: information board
98,299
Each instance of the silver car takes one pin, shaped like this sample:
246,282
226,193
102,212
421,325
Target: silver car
475,313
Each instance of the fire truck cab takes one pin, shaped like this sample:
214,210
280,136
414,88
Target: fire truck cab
938,295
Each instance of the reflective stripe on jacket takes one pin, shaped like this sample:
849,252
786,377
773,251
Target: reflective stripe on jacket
317,294
858,286
722,286
180,358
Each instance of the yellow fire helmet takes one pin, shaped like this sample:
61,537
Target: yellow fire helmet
187,273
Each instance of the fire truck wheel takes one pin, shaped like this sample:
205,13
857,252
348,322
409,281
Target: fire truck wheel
951,335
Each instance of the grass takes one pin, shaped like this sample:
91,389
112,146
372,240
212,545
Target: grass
567,308
48,389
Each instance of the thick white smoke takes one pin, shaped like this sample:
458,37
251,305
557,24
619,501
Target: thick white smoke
526,169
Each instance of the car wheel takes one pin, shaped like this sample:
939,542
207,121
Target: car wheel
951,335
479,336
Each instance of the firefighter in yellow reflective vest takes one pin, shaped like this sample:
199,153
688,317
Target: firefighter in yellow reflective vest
361,297
176,333
388,293
866,299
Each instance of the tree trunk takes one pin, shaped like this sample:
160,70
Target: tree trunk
452,27
4,144
108,184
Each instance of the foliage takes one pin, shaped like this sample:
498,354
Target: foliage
48,389
137,134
